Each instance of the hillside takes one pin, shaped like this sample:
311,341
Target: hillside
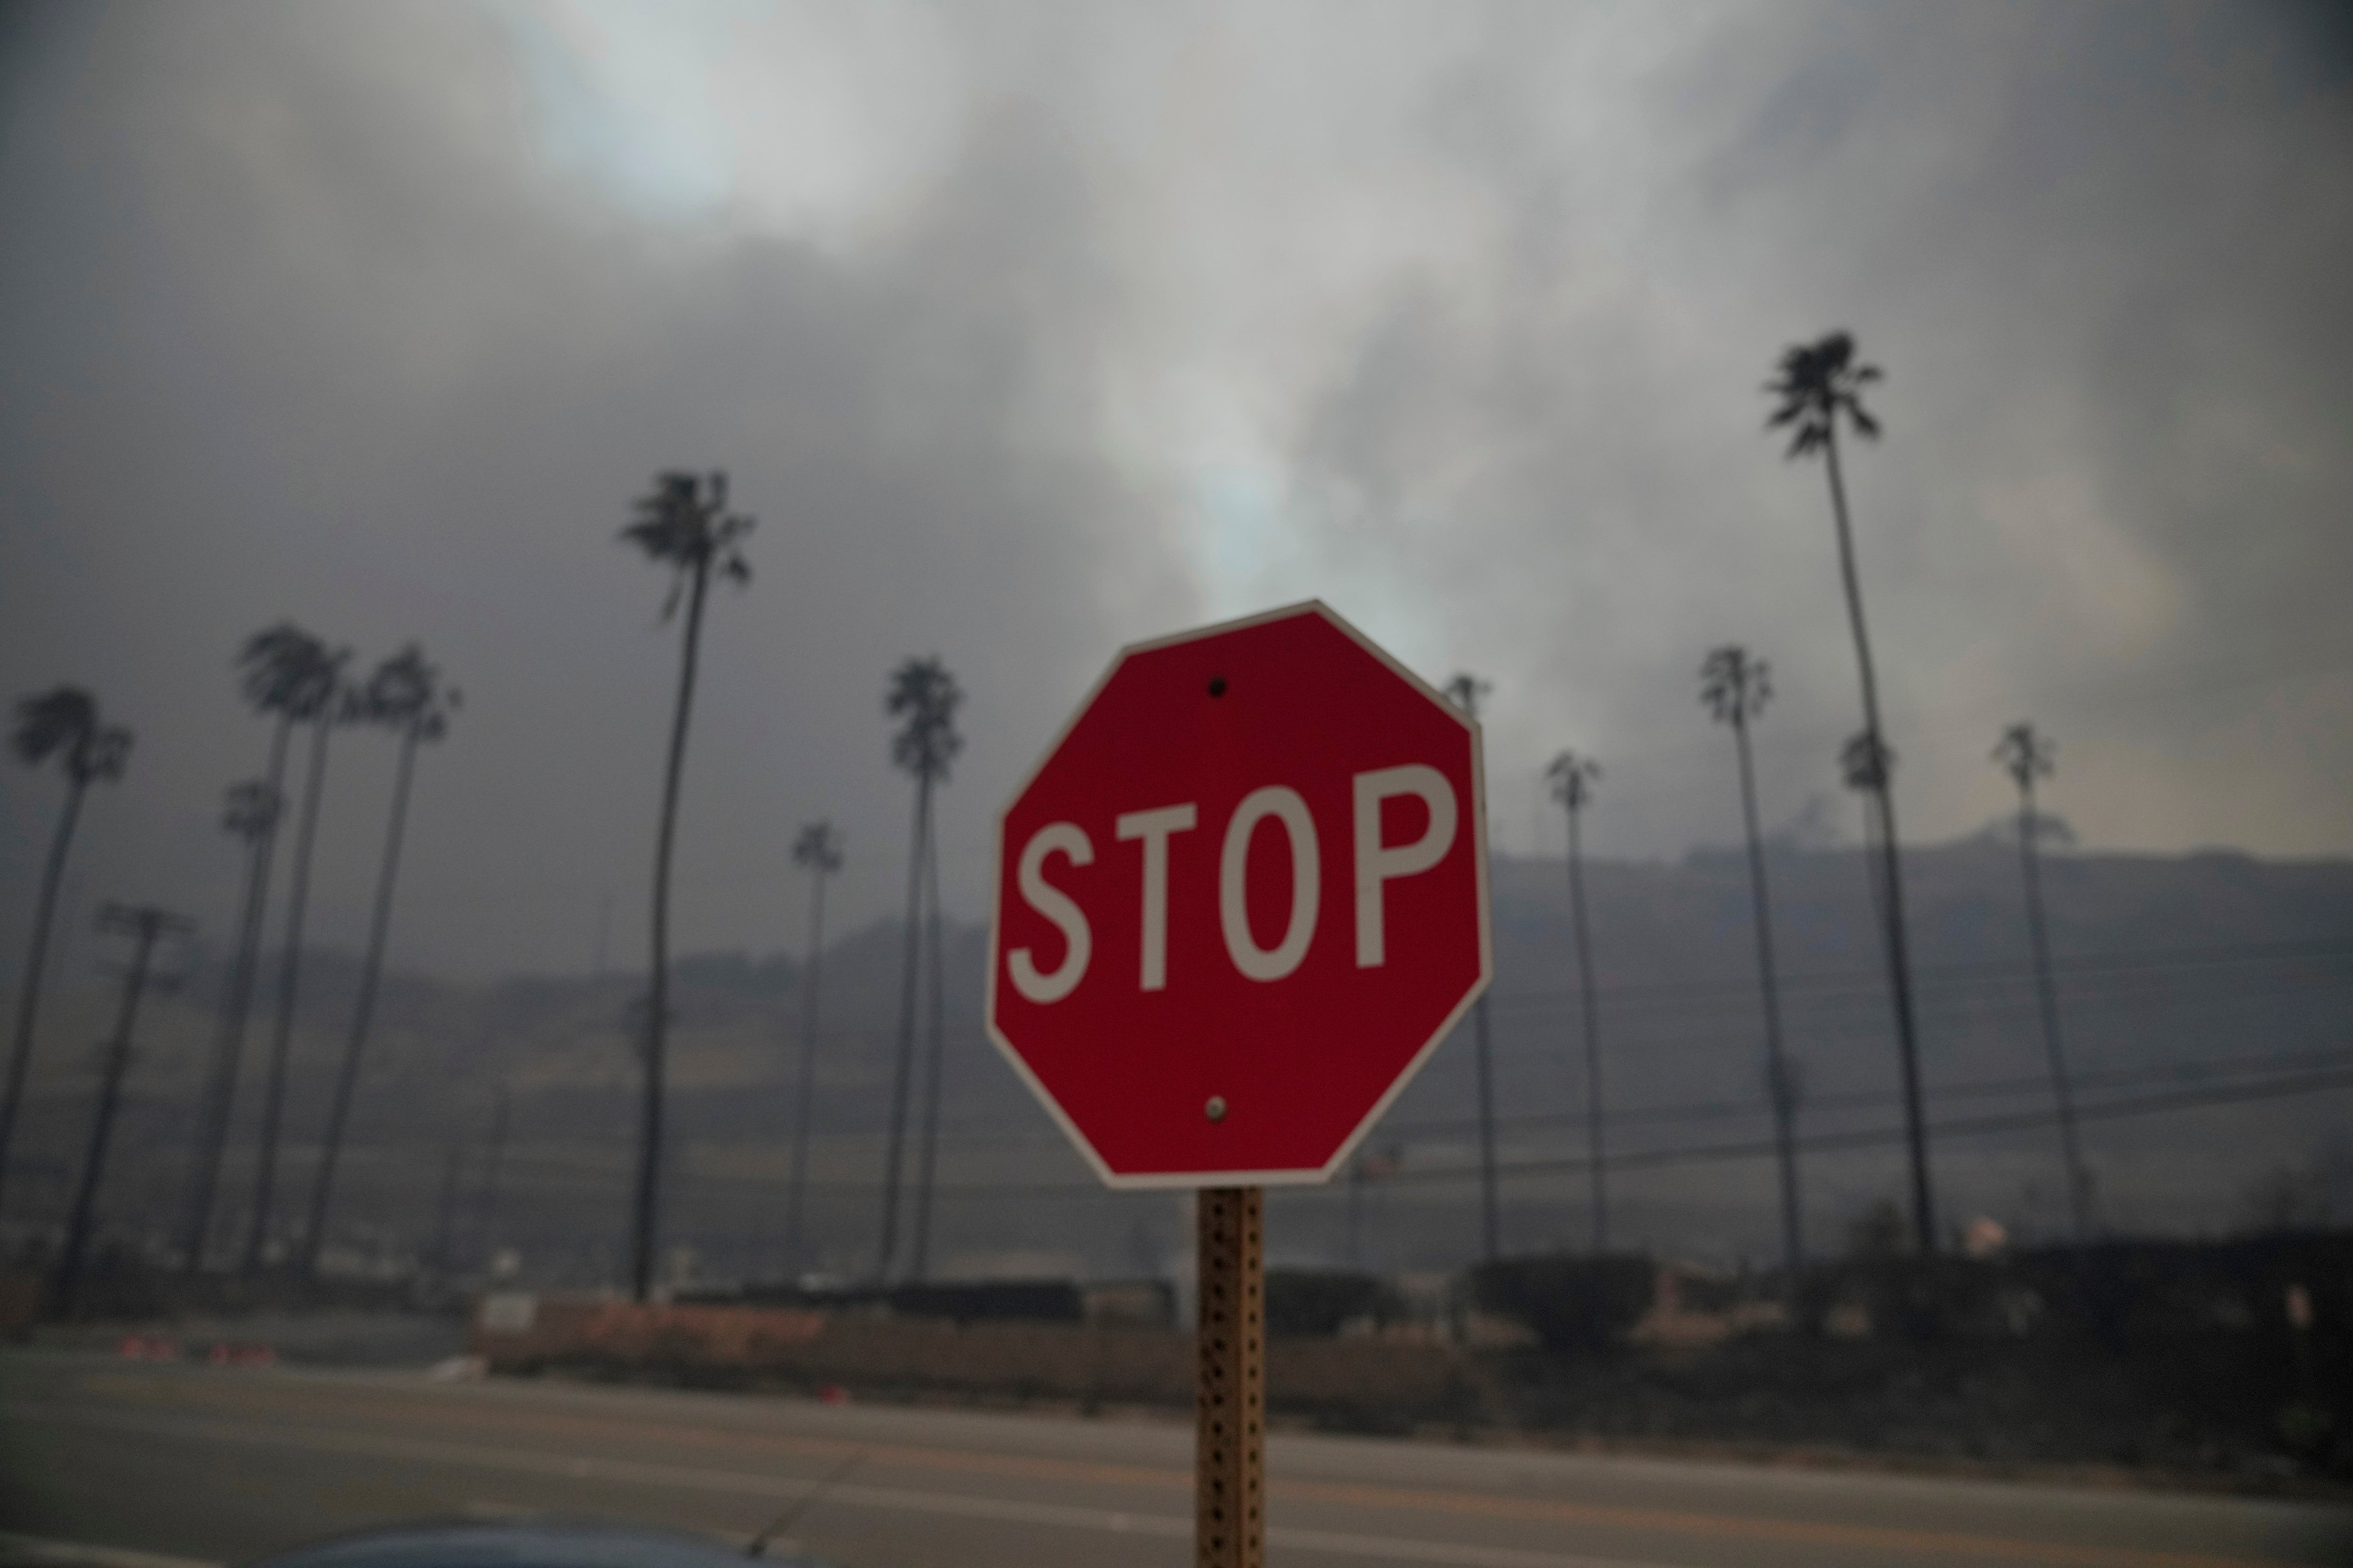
2213,984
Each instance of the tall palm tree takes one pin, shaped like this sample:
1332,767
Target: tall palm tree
1572,778
404,694
325,706
1818,386
1466,690
818,851
925,697
1734,687
63,724
2027,755
279,674
251,818
682,524
918,1257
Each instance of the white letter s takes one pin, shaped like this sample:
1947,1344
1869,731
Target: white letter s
1056,905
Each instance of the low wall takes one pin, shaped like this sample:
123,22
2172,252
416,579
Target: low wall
1357,1384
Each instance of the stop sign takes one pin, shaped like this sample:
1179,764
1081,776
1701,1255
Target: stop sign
1240,901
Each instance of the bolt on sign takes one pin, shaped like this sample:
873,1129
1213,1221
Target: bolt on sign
1238,905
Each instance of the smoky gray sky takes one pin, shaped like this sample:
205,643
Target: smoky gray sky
1027,330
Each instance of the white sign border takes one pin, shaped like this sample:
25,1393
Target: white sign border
1298,1176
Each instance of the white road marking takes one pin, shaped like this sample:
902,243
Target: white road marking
740,1483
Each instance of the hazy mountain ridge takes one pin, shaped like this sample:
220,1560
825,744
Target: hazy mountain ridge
2169,966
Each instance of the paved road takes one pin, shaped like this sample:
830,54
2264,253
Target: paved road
219,1465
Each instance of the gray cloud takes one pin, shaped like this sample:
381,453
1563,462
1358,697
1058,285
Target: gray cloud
1028,333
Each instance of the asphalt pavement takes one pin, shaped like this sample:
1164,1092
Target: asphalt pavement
220,1464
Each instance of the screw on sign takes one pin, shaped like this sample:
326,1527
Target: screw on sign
1239,903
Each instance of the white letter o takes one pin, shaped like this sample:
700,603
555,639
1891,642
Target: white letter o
1306,883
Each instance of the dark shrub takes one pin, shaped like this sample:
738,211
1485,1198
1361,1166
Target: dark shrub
1568,1304
1302,1303
991,1300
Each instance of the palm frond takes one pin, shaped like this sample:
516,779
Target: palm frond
405,693
55,722
104,757
927,695
1572,778
819,847
250,810
2026,754
1815,383
1866,762
683,524
284,669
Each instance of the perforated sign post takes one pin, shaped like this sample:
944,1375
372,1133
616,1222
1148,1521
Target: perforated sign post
1239,903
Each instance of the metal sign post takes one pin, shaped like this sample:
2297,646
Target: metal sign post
1230,1401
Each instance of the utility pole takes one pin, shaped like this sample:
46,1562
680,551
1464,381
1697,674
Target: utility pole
1354,1252
1465,690
2026,755
486,1199
145,925
1365,1168
444,1213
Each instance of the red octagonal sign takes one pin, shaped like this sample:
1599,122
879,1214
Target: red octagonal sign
1239,902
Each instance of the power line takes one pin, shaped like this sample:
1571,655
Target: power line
2166,984
2166,963
1960,1127
2270,1087
1859,1099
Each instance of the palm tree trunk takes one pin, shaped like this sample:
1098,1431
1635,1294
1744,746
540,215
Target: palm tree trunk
796,1193
649,1133
935,1064
28,994
212,1141
290,975
1899,962
364,1009
1779,1080
1593,1127
919,838
2061,1089
109,1100
1489,1227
